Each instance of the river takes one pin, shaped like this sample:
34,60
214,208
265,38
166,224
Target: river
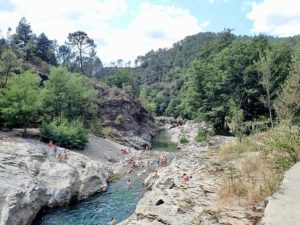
118,201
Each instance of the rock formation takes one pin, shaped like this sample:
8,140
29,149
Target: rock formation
123,117
195,201
31,178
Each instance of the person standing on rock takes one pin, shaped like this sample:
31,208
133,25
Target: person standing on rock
54,149
50,146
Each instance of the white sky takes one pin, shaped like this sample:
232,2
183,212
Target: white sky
151,26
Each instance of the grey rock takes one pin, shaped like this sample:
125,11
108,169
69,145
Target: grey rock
124,118
30,178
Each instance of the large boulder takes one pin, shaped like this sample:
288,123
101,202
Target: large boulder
31,178
124,118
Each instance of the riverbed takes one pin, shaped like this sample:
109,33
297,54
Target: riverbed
118,201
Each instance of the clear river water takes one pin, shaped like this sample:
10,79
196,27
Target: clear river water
118,201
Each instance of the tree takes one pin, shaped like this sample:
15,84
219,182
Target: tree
29,49
20,100
237,125
264,66
92,65
288,103
23,32
120,62
66,94
82,44
9,65
45,49
121,79
65,55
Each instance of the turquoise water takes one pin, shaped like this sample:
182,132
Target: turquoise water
162,142
118,202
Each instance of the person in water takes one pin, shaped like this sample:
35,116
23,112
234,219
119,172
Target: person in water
129,183
112,221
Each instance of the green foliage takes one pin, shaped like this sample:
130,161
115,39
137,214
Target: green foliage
9,65
23,32
203,134
229,74
82,44
123,78
67,94
288,104
282,145
237,125
183,139
67,134
20,100
45,49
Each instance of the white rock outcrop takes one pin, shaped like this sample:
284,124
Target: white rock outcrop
31,178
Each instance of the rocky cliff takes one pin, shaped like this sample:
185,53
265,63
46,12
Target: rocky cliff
31,178
123,117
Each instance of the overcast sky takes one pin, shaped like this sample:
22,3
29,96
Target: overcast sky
124,29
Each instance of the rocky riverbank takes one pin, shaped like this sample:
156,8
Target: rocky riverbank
31,178
173,201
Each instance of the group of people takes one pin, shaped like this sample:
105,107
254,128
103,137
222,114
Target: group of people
58,154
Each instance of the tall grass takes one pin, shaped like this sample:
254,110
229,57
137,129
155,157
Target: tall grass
257,164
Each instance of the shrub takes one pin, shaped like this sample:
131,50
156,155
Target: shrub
67,134
184,140
203,135
282,146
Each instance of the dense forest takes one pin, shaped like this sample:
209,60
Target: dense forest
217,77
239,84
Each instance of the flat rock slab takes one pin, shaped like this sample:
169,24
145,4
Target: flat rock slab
284,206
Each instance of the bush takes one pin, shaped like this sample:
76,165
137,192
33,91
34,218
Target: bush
282,146
203,135
184,140
67,134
